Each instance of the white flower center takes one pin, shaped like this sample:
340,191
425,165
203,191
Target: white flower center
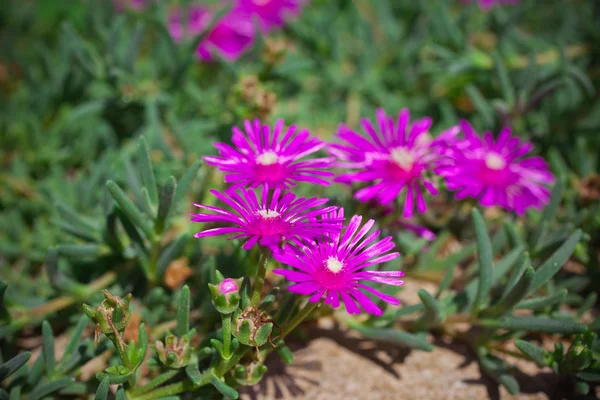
269,157
334,265
495,161
266,214
424,139
403,157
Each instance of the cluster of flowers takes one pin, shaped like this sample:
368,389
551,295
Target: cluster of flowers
395,159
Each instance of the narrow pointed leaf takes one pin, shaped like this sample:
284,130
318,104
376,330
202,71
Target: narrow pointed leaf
223,388
534,352
48,388
552,265
165,202
517,293
535,324
540,303
48,337
395,336
102,392
11,366
484,250
183,312
130,209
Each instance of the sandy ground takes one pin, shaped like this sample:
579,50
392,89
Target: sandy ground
336,364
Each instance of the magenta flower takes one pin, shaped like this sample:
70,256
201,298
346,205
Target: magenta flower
487,5
270,13
227,286
263,157
283,218
497,172
396,158
230,37
335,268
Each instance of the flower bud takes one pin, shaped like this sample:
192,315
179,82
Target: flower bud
174,352
226,294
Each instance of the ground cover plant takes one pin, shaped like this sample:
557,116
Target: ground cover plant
187,186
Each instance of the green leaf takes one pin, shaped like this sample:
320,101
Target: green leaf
534,352
508,92
223,388
75,336
11,366
102,392
183,312
284,352
514,239
4,315
516,275
481,105
552,265
589,375
518,292
582,387
130,209
120,394
193,373
486,265
165,202
48,347
497,369
432,314
540,303
48,388
185,181
547,215
393,335
446,282
535,324
587,304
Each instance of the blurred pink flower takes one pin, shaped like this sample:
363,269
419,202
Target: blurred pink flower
230,37
270,13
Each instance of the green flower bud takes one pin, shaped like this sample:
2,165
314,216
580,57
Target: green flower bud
226,294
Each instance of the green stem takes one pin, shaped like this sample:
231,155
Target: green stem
301,316
225,365
261,271
175,388
226,328
159,380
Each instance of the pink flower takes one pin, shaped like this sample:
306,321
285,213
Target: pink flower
283,218
228,286
262,157
497,172
230,37
396,158
335,268
270,13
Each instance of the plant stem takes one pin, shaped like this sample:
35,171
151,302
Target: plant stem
159,380
226,328
173,389
261,271
301,316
